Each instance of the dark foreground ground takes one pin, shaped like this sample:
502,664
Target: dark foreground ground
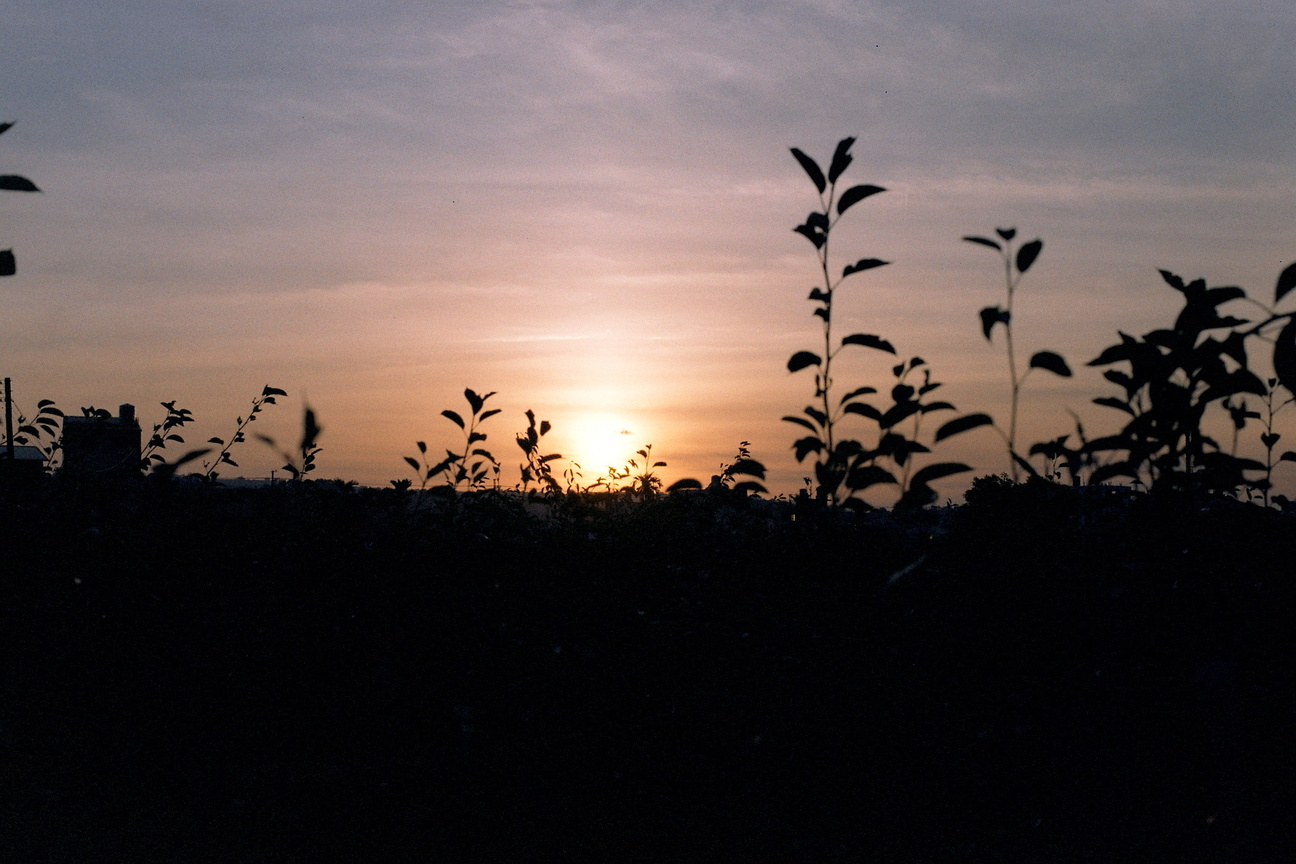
315,674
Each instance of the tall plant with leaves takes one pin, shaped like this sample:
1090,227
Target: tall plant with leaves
222,456
844,467
537,468
12,183
1015,263
833,455
470,468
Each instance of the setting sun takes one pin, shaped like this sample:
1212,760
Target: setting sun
599,441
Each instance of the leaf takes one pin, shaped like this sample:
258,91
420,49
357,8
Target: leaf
14,183
490,413
474,401
453,417
1284,355
1172,280
990,316
864,476
817,237
858,391
937,406
812,168
273,391
897,413
1269,439
868,340
218,441
841,159
984,241
748,466
801,421
1027,254
805,446
682,484
863,409
1052,362
862,265
1113,402
1287,456
935,472
412,462
856,194
1286,282
8,266
1006,233
5,127
801,360
963,424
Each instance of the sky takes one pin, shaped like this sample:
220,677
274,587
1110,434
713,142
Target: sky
586,207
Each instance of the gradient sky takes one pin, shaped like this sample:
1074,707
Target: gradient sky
587,207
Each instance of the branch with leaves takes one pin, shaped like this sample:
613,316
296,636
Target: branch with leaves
1015,266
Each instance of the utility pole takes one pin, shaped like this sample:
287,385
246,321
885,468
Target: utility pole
9,444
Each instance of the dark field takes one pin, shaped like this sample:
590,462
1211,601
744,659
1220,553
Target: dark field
313,673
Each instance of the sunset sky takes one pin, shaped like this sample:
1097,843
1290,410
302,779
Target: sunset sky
587,207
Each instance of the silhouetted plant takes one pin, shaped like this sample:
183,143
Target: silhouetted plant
41,431
164,433
1269,438
12,183
833,457
734,475
470,468
1174,376
1015,266
302,462
267,397
845,468
537,468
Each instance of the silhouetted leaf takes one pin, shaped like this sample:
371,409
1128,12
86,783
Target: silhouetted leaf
990,316
817,237
1006,233
901,393
868,340
474,401
5,127
962,424
748,466
1287,456
1112,402
801,421
1269,439
1027,254
817,415
1172,280
453,417
14,183
935,472
8,266
272,391
820,295
841,159
985,241
937,406
856,194
858,391
1286,282
413,463
684,483
863,409
862,265
1052,362
805,446
812,168
490,413
897,413
802,359
864,476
